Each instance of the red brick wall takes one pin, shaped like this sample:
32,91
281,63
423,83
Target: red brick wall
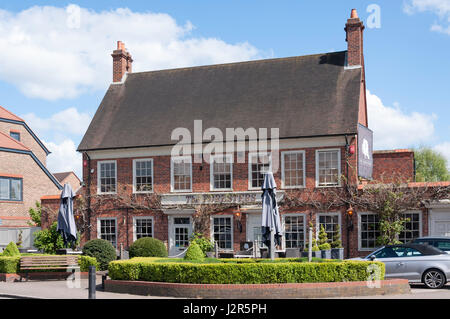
201,173
396,165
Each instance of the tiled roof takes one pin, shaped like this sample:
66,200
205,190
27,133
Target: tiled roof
10,143
5,114
304,96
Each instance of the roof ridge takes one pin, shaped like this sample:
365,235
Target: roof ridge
15,141
11,113
233,63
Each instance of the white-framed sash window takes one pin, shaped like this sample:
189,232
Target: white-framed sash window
106,177
222,231
293,169
328,167
294,230
143,175
258,165
142,227
221,172
368,230
107,229
331,223
181,174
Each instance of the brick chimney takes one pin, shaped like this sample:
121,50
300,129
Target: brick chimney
122,62
354,29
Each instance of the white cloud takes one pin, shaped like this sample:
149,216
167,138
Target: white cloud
394,128
444,149
53,53
68,121
439,7
64,157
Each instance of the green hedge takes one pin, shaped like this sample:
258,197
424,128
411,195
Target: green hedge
146,269
11,265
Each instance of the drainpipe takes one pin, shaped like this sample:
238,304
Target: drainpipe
88,194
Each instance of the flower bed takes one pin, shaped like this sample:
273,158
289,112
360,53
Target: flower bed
238,271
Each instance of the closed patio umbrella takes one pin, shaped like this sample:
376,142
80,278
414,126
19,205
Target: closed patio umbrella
66,220
271,224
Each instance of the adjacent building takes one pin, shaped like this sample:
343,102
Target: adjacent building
24,177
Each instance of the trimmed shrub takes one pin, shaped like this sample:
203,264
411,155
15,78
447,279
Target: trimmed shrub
325,246
194,253
102,250
240,273
85,261
148,247
205,244
9,265
11,250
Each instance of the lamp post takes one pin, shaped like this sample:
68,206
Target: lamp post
349,228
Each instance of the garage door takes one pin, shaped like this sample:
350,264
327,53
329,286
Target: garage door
442,228
440,223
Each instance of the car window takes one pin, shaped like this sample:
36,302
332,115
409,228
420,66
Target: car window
406,252
386,252
444,245
425,241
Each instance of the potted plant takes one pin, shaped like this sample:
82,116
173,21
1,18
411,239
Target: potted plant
324,246
337,251
204,243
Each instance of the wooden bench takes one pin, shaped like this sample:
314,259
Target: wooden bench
68,262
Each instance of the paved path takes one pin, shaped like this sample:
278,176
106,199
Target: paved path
417,292
59,289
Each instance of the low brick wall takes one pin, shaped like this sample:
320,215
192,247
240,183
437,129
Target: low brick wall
258,291
39,276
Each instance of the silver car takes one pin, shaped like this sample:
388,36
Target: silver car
419,263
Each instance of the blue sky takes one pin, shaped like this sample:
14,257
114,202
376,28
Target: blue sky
54,67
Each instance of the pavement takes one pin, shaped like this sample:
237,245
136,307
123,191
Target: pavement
417,292
60,289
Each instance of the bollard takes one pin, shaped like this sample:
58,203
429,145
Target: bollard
310,245
92,282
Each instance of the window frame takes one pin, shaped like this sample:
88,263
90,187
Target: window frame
338,150
17,133
420,221
134,175
229,158
99,228
172,170
250,156
360,248
283,184
303,215
99,163
211,231
136,218
338,214
9,179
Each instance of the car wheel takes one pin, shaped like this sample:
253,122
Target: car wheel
434,279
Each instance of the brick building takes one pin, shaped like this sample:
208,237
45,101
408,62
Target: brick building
24,177
314,108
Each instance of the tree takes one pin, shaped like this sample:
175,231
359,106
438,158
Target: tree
49,240
35,214
431,166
